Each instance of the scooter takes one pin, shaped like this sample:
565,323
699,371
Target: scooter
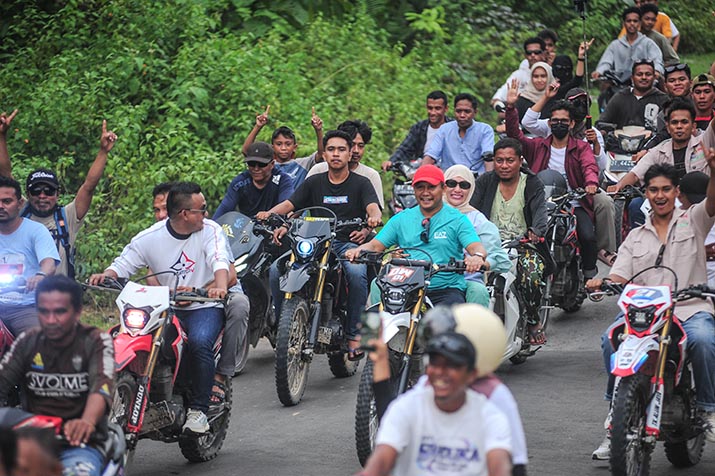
253,252
403,196
113,448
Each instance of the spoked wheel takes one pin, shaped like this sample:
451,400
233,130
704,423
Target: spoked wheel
198,449
366,422
630,452
341,366
291,365
124,393
685,454
576,292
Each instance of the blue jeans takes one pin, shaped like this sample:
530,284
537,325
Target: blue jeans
202,327
356,276
85,461
635,215
700,330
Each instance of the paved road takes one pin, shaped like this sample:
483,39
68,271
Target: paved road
559,393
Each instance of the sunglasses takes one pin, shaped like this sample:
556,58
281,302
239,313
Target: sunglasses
453,183
49,191
675,67
260,165
534,52
424,236
647,62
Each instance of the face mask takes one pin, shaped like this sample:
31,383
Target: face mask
560,130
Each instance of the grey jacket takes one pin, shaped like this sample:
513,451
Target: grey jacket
620,56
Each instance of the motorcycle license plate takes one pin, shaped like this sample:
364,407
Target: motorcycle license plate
325,334
621,165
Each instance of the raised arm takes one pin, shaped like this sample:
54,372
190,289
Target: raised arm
261,120
5,165
317,124
84,195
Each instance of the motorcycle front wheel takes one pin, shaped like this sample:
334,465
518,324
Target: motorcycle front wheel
341,366
291,366
206,447
366,421
122,400
630,453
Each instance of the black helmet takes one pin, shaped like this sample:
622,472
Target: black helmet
455,347
554,183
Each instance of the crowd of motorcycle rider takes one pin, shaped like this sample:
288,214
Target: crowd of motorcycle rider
546,125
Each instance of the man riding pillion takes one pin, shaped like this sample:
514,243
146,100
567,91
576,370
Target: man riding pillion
349,196
436,228
65,369
674,238
195,248
42,189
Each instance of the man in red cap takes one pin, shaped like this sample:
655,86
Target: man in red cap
442,232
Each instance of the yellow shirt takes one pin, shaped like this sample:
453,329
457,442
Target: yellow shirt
662,26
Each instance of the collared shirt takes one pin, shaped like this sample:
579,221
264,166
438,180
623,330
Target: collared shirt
448,148
684,253
416,143
695,160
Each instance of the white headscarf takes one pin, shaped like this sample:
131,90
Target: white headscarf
465,174
530,92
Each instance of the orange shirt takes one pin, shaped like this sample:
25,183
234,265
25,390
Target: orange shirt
662,26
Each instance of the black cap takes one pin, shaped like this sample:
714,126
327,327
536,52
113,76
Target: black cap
42,176
455,347
259,152
694,185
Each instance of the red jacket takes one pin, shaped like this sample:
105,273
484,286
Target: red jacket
580,165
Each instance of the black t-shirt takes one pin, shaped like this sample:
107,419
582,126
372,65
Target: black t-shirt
679,161
243,196
348,200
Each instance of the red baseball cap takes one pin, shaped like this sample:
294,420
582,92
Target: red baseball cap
431,174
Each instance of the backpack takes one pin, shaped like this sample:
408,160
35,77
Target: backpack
60,234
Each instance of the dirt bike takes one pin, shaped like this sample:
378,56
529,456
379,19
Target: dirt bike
622,200
565,286
654,395
402,283
403,196
153,388
253,251
313,317
112,448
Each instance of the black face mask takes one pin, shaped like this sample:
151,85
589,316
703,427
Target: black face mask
580,110
559,130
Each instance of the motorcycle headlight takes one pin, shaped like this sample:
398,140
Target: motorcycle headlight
641,318
135,319
6,278
241,263
305,248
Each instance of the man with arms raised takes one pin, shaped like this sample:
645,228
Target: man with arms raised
443,427
349,196
42,188
65,369
421,134
195,248
441,231
26,252
463,141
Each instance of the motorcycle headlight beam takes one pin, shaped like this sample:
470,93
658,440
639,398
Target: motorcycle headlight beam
305,248
135,319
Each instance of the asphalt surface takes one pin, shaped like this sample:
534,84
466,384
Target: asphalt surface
559,391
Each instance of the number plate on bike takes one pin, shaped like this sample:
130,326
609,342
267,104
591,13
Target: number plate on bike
325,334
621,165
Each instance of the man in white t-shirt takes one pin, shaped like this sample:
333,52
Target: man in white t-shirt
443,428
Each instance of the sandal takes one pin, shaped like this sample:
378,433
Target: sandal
355,353
218,393
607,258
537,336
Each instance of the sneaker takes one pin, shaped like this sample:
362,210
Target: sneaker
709,426
196,422
603,452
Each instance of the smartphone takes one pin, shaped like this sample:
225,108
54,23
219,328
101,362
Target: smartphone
588,122
370,323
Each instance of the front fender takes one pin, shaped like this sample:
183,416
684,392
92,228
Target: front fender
632,354
126,348
295,278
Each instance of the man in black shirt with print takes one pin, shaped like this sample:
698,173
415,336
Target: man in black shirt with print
349,196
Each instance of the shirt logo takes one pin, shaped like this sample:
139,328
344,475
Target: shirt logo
77,362
183,266
440,235
58,385
276,179
342,199
37,363
452,456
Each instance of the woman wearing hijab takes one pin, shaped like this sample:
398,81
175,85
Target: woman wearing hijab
541,77
459,188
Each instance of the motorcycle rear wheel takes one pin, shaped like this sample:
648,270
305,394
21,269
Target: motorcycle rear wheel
206,447
685,454
630,454
340,366
291,367
366,422
573,300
